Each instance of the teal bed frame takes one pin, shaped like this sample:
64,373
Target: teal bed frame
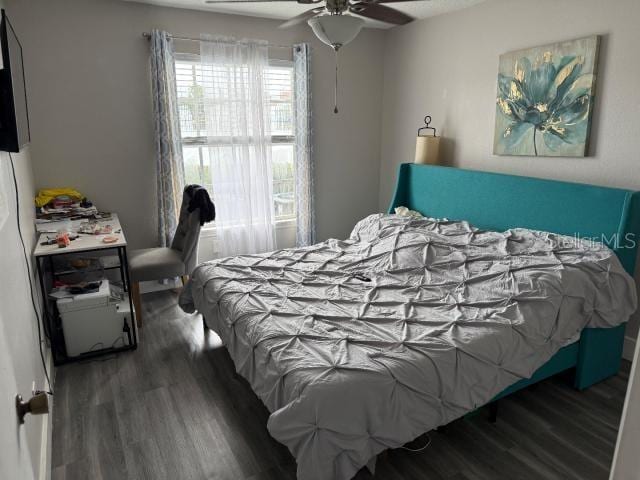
498,202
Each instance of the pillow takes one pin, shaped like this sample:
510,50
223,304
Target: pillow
405,212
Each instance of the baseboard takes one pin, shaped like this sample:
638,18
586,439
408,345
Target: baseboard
629,348
47,427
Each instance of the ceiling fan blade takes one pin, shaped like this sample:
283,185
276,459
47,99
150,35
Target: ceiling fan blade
380,12
303,17
212,2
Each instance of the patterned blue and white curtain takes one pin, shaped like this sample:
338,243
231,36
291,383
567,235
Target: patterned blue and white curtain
305,210
169,166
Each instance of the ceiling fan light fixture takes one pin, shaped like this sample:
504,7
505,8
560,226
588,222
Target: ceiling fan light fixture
336,30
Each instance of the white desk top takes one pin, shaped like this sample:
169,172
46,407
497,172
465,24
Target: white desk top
84,242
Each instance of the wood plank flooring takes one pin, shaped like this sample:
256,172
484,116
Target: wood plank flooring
174,409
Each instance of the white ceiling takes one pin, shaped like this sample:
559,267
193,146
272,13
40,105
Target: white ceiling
284,10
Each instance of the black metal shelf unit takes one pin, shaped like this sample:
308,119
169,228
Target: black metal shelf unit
52,322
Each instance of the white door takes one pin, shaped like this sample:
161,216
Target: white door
15,455
23,453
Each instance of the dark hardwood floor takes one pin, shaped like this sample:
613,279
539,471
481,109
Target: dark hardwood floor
175,409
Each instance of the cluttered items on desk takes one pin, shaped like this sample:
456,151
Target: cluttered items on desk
63,237
67,213
93,227
55,204
58,208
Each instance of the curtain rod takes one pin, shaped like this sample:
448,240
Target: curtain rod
147,35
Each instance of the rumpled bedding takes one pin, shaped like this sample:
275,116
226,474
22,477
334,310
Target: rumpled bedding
361,345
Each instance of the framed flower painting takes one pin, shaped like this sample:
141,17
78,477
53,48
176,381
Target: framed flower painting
545,99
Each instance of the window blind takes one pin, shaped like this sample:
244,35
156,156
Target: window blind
213,86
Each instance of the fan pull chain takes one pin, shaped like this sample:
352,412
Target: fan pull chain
335,89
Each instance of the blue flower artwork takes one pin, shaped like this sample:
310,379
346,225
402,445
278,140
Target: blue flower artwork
545,99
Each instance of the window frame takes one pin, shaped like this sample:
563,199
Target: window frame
202,141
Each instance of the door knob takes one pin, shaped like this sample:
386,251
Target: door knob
36,405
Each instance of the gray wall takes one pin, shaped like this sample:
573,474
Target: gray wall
20,446
447,67
89,88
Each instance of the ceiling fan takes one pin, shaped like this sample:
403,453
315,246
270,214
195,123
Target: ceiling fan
332,23
329,18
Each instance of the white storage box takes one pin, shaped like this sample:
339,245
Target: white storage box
92,322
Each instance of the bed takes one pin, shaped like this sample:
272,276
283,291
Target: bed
361,345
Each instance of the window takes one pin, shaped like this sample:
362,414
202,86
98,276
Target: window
196,144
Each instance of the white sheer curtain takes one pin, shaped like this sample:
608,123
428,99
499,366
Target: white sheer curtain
237,124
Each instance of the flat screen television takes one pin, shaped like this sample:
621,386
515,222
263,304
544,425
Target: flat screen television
14,115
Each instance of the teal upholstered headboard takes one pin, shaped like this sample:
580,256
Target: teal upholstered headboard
498,202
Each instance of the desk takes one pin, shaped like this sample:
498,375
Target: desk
46,257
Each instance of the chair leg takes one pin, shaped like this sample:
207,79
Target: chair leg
135,292
185,279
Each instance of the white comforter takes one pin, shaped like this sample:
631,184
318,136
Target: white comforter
361,345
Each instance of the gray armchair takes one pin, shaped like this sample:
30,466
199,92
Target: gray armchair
150,264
